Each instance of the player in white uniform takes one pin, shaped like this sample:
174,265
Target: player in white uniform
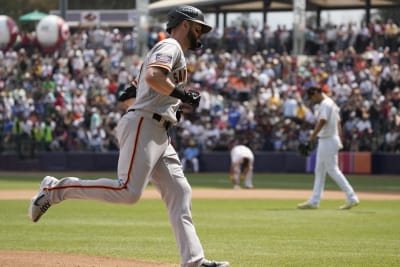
242,162
146,153
328,131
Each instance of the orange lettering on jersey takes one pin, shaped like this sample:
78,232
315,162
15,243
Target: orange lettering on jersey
180,76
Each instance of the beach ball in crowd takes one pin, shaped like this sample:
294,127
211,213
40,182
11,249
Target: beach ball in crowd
8,32
51,32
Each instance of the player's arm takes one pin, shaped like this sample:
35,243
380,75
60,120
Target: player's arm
317,129
232,170
157,79
339,126
232,173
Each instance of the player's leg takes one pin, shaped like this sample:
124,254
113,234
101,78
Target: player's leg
236,176
248,181
337,175
319,174
195,164
176,192
134,168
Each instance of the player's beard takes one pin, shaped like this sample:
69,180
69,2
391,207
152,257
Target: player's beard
194,43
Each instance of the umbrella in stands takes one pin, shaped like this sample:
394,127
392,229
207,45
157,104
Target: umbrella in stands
32,16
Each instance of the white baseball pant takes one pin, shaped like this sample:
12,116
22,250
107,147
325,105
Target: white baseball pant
327,163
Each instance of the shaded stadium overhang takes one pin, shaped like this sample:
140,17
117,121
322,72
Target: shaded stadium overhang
265,6
272,5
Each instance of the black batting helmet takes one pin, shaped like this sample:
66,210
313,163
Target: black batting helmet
190,13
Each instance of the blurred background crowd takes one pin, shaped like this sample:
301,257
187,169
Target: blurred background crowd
252,89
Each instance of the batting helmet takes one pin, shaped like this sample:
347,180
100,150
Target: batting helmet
190,13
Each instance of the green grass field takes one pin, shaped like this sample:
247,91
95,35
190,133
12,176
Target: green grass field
245,232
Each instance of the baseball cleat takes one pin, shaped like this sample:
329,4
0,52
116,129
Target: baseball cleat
208,263
306,206
349,205
40,203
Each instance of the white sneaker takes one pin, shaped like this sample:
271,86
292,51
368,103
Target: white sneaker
40,203
349,205
236,186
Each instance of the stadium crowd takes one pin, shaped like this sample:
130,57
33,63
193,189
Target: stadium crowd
252,89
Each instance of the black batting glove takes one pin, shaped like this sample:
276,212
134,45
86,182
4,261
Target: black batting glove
191,97
129,92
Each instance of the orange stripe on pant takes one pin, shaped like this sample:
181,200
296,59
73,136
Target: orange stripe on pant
110,190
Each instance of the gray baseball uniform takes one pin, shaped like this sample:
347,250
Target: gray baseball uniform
146,154
329,144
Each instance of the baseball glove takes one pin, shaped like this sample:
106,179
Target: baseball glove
305,148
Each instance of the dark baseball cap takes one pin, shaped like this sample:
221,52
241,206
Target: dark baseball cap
312,87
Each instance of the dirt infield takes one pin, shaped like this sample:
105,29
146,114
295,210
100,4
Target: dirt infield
44,259
231,194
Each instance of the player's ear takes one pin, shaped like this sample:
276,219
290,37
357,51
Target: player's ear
186,24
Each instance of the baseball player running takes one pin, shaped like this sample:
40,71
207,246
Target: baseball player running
328,131
242,161
146,153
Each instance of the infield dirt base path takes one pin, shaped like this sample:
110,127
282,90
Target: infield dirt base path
44,259
231,194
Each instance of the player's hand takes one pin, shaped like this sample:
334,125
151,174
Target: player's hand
305,149
191,97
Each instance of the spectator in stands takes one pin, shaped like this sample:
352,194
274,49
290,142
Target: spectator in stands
391,35
392,140
357,81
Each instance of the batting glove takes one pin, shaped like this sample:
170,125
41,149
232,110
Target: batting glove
191,97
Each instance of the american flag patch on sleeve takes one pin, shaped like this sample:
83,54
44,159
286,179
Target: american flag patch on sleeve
162,58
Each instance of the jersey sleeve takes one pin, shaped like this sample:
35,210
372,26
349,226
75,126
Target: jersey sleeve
164,56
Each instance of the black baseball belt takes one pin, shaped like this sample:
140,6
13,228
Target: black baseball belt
166,124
